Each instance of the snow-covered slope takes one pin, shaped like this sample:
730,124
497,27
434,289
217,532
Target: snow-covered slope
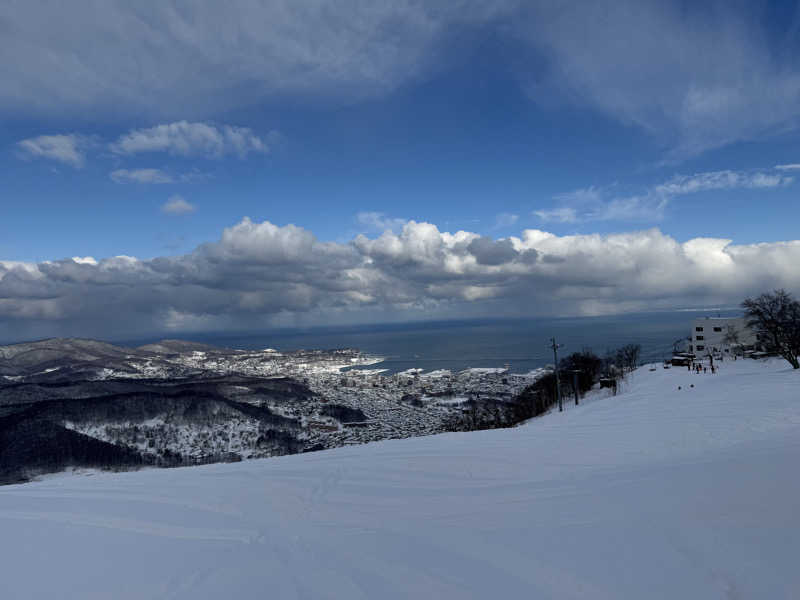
655,493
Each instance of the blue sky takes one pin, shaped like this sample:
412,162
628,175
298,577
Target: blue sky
148,131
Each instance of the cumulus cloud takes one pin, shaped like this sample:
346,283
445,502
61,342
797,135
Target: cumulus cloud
492,252
177,205
261,273
182,138
64,148
140,176
594,204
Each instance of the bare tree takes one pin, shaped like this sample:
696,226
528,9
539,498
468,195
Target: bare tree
732,338
684,341
589,366
775,318
627,357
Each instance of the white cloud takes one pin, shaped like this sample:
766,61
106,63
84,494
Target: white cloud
140,176
177,205
564,214
635,60
379,221
257,272
183,138
648,208
203,59
638,61
720,180
594,204
789,167
84,260
65,148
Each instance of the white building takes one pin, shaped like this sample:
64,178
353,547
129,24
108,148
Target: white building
720,335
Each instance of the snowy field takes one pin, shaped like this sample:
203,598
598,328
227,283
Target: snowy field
655,493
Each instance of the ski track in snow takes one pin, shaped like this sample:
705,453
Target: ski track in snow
654,493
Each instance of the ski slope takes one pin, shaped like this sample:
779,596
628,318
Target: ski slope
655,493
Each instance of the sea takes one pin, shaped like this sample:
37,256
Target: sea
522,345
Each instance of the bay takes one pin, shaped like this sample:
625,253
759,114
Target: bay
520,344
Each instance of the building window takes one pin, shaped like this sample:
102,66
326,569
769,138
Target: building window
698,329
718,329
701,348
698,337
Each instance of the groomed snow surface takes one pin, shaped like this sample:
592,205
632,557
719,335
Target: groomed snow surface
655,493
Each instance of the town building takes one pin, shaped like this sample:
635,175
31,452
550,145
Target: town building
721,335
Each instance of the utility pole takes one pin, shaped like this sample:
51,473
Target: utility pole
575,383
555,348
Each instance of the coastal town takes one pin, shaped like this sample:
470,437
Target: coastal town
383,405
211,403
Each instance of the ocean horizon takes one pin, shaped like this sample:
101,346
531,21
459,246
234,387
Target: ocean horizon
521,344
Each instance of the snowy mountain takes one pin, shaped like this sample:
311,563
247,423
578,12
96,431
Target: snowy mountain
682,486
